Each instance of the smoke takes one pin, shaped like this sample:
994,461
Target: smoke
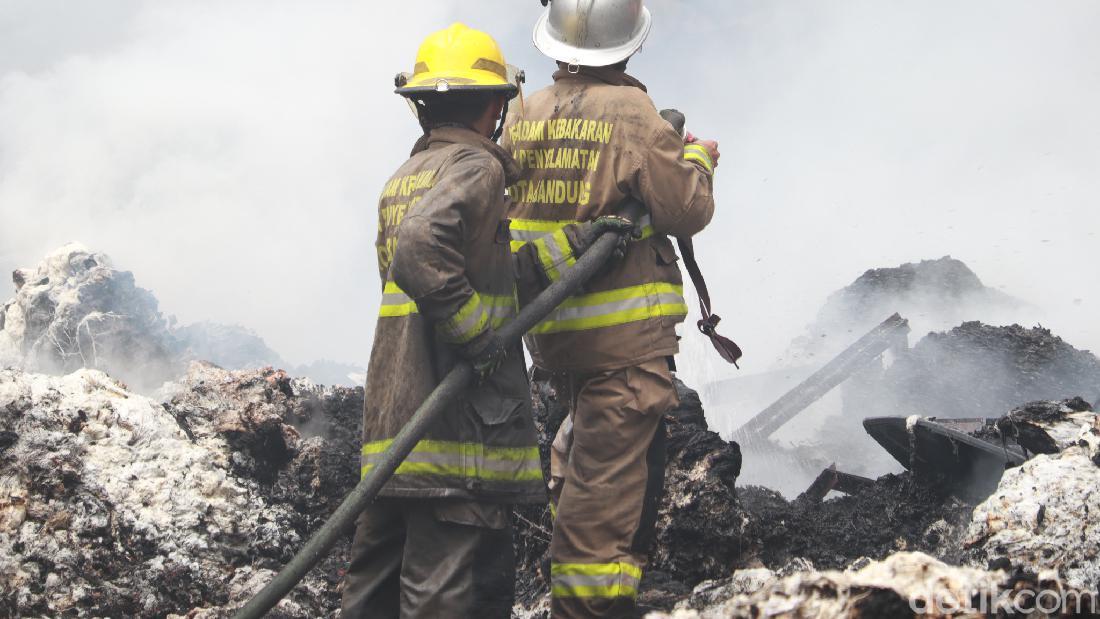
230,153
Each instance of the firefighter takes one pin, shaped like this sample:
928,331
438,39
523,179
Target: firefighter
583,144
438,542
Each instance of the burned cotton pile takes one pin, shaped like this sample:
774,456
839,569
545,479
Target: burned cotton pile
977,370
116,505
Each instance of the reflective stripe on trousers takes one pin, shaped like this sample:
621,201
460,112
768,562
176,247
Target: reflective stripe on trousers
524,231
455,459
615,307
604,580
501,308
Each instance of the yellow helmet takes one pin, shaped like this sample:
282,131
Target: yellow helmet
456,59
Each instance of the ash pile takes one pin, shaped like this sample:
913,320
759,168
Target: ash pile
115,504
934,295
77,310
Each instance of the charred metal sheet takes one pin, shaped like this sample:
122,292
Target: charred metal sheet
943,449
832,479
890,334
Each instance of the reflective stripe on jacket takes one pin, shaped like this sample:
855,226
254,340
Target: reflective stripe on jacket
584,144
447,279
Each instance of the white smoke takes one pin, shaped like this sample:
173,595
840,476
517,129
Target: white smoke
230,153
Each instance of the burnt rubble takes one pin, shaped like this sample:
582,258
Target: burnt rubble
1034,535
977,370
973,371
904,585
936,294
113,504
186,503
708,528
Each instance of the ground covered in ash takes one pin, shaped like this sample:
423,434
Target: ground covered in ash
114,504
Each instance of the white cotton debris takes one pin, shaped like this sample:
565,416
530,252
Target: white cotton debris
1043,516
75,310
114,504
903,581
911,422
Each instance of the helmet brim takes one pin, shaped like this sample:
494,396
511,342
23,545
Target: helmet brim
569,54
469,80
510,90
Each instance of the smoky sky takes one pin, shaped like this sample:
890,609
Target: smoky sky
231,153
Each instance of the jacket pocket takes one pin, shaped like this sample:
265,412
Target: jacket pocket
666,255
493,408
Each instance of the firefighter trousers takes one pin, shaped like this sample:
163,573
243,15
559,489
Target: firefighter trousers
414,558
609,480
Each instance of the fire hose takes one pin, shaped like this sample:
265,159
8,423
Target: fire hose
454,385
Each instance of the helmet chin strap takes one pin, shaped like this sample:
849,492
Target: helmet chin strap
500,127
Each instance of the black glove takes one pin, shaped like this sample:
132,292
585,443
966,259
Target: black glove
485,353
586,234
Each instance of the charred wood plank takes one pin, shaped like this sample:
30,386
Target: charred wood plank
864,351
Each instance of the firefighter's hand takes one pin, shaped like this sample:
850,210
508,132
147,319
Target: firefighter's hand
612,223
485,353
710,145
619,225
582,236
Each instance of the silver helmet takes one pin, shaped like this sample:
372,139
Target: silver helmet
593,33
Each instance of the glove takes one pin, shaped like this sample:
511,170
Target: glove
584,235
485,353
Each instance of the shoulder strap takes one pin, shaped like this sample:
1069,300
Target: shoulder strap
708,325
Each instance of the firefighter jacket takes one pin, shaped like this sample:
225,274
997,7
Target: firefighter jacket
583,144
447,279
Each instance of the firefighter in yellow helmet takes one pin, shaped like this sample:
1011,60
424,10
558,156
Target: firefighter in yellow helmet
438,543
583,144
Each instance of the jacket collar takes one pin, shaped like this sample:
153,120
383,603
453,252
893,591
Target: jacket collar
456,134
600,74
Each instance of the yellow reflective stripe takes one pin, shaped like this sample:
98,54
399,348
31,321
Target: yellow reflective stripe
470,320
524,231
395,302
596,569
502,308
538,225
605,580
615,307
695,152
555,253
553,511
610,320
455,447
454,470
458,459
